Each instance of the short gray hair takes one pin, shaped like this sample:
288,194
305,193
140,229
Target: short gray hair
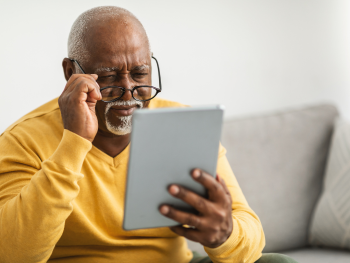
77,46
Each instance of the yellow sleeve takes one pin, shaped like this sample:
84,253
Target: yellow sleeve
247,239
36,198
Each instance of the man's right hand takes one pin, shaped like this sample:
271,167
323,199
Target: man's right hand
77,103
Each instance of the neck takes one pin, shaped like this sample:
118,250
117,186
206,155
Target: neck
111,144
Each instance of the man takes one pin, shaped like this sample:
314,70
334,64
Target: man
63,166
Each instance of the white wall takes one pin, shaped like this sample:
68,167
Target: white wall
250,55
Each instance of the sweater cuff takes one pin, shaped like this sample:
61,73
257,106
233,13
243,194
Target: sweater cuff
230,243
71,151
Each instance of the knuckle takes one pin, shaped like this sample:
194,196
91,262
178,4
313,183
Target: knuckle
215,187
200,203
214,227
221,214
84,81
193,221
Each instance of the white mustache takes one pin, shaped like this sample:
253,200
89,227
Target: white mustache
123,103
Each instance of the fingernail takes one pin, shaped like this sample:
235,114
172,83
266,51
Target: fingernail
164,209
174,189
196,174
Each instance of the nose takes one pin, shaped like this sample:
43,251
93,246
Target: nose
127,84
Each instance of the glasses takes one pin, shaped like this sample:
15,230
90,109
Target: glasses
140,93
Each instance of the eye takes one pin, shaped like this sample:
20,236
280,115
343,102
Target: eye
140,74
106,77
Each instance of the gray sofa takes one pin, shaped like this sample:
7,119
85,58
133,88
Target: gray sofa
279,161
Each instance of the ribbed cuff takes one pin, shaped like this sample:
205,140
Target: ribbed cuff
71,151
230,243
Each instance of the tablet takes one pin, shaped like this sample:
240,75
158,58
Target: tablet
166,145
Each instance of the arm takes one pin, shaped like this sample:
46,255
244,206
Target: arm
36,198
226,226
34,203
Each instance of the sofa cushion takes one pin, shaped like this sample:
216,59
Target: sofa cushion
331,222
313,255
279,161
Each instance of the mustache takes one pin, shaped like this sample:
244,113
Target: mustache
123,103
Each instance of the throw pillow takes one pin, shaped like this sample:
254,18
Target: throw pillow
330,225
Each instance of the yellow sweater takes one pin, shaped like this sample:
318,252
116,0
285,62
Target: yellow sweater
61,200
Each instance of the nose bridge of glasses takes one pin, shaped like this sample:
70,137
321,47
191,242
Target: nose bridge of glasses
126,81
127,94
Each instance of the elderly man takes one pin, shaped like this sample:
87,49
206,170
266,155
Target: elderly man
63,166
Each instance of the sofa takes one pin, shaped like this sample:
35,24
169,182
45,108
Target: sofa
279,160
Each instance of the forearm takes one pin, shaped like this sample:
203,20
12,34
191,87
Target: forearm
247,239
32,222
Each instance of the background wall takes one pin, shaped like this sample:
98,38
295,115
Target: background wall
250,55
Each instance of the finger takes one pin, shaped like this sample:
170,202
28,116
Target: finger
189,233
72,80
88,86
181,217
95,77
75,78
199,203
215,189
222,182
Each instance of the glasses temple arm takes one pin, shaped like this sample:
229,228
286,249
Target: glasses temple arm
73,60
160,82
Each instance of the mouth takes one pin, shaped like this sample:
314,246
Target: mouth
123,110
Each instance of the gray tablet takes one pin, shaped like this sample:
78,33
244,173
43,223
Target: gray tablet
166,144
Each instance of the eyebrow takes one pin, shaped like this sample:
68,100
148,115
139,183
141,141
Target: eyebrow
109,69
106,69
142,67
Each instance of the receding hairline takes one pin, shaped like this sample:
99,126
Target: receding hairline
77,44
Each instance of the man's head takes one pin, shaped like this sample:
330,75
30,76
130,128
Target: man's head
112,43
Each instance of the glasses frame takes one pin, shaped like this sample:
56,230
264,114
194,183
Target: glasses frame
125,89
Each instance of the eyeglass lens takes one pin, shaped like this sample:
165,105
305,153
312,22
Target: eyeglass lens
140,93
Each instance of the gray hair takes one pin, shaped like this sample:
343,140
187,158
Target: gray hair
77,46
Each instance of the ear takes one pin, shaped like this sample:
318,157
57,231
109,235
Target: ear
68,68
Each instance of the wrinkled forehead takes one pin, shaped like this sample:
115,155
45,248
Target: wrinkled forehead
119,38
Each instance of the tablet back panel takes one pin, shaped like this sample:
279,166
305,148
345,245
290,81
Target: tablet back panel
166,144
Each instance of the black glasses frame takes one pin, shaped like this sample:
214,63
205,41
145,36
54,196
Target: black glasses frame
133,89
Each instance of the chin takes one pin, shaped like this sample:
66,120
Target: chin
122,128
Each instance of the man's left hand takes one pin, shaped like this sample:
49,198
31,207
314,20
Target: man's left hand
213,225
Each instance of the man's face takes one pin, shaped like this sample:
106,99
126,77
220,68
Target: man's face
120,57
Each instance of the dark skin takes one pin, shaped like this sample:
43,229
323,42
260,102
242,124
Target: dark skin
121,46
112,47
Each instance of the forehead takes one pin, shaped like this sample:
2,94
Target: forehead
117,43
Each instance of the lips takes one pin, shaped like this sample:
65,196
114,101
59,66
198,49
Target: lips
123,110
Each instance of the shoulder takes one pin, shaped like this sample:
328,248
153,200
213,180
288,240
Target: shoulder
162,103
45,109
40,129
